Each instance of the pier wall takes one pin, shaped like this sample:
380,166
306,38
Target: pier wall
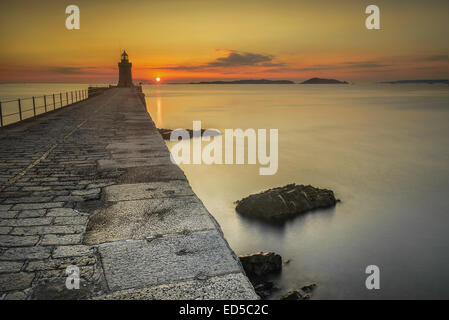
92,186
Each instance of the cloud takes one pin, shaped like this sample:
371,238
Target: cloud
410,59
235,59
67,70
79,70
231,60
346,65
363,64
432,58
267,63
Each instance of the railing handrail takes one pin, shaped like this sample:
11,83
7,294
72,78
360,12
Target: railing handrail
41,96
80,95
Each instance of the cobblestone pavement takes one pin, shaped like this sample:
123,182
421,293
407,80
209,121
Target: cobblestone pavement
92,185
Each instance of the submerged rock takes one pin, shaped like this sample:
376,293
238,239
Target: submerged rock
292,295
304,293
261,263
285,202
308,288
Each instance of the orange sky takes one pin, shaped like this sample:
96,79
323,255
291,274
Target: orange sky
205,40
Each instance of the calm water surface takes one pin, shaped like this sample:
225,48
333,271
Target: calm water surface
383,149
9,91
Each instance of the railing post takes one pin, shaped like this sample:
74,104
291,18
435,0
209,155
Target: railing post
67,98
60,98
1,115
54,104
34,107
45,103
20,110
71,92
76,96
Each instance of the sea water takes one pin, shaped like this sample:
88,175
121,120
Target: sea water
383,149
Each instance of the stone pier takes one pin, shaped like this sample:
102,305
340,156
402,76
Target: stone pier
92,186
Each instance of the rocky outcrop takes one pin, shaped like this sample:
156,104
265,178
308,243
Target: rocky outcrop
165,133
292,295
323,81
257,267
304,293
261,263
281,203
264,289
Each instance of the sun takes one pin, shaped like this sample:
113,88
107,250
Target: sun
158,79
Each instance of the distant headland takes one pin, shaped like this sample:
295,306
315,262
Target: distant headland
257,81
445,81
323,81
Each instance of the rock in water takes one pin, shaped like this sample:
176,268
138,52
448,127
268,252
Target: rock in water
292,295
264,289
261,263
323,81
285,202
308,288
304,293
166,133
295,295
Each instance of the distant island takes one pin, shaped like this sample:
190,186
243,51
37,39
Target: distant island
417,81
258,81
323,81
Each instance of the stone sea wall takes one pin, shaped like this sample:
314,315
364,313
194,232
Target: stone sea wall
92,186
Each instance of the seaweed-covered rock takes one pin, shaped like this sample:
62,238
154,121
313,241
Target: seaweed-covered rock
285,202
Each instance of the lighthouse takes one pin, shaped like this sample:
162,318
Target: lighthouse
124,76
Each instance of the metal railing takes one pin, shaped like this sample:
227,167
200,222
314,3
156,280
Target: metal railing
16,110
